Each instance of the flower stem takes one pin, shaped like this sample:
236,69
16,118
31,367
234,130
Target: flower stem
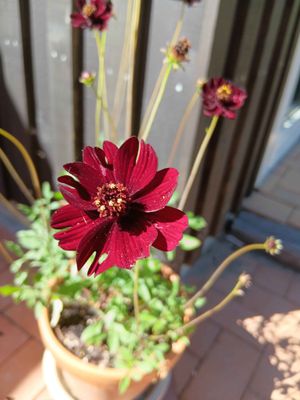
5,254
211,281
197,162
162,72
28,160
157,102
236,291
100,42
135,294
182,126
14,174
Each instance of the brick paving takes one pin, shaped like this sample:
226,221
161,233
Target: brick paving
250,351
278,198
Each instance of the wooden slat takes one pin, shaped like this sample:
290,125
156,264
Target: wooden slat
77,67
14,115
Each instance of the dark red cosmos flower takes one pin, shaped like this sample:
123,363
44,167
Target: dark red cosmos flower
117,206
94,14
222,98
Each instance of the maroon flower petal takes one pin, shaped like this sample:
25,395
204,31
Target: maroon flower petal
170,224
95,158
95,240
125,160
110,150
70,238
78,20
158,192
144,170
75,194
125,247
66,216
87,176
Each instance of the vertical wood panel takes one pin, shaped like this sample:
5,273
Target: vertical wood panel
13,100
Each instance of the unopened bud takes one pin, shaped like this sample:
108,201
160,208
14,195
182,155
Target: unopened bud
87,78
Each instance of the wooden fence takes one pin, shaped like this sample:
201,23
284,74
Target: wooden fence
43,104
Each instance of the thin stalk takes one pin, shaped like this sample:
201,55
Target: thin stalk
5,254
16,177
132,51
197,162
214,277
162,72
157,102
236,291
28,161
13,210
179,25
135,294
121,83
182,126
100,42
109,116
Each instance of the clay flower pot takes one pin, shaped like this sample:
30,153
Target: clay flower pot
88,381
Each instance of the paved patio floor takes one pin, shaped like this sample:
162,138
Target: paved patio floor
278,198
250,351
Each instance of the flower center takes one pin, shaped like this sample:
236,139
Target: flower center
224,92
111,199
88,10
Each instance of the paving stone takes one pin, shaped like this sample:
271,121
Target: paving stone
21,375
220,376
291,181
293,292
262,301
203,338
24,317
11,338
184,370
268,207
294,218
271,275
249,396
278,373
285,196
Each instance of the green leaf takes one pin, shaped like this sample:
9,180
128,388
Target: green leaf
124,384
14,248
153,264
46,190
92,334
29,239
144,292
170,255
199,303
196,222
189,243
21,277
159,326
113,340
8,290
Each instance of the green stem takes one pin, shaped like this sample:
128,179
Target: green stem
211,281
197,162
100,42
135,294
242,282
157,102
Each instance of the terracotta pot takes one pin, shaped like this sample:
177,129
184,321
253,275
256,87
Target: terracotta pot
88,381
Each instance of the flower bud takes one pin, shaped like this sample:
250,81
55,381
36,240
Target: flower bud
87,78
273,246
